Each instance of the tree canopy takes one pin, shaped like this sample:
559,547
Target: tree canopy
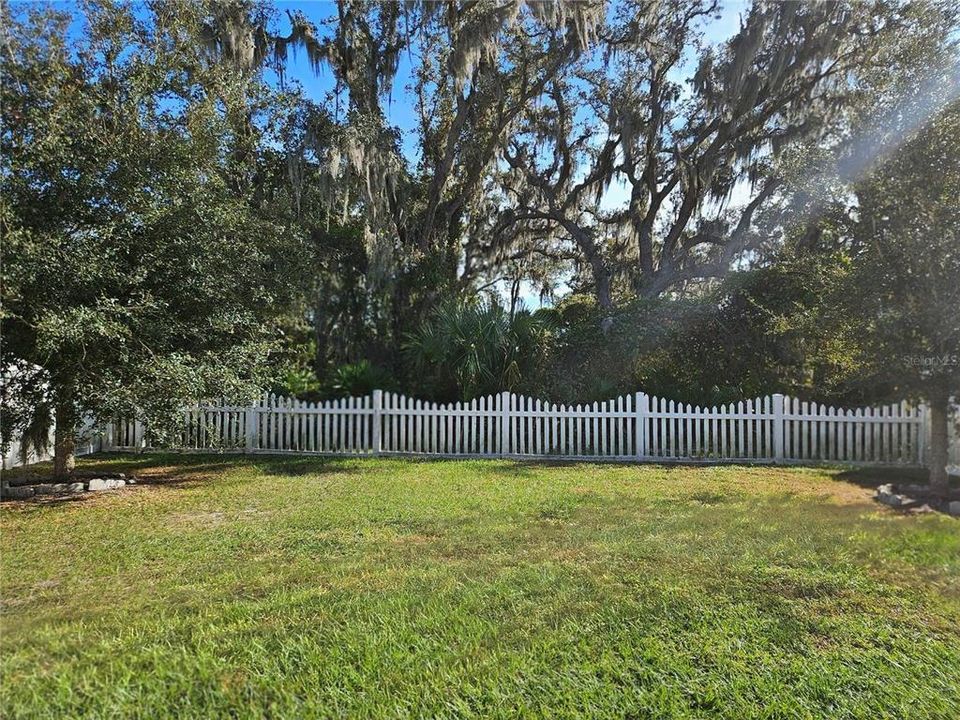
138,274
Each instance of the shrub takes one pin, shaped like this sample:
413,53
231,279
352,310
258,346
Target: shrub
359,379
468,348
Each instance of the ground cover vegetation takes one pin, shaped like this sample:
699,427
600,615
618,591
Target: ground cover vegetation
294,587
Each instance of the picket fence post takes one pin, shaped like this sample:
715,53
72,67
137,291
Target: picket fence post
505,423
778,427
922,436
375,435
641,430
250,427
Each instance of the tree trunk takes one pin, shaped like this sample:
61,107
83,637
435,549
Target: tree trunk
604,298
939,410
64,441
602,275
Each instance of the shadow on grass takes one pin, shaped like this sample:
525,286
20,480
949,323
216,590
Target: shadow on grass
287,466
175,471
902,479
182,470
171,469
871,478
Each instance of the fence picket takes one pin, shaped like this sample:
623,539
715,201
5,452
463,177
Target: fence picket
658,428
902,427
767,432
806,442
914,430
722,447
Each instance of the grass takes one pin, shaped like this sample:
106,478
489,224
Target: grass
293,588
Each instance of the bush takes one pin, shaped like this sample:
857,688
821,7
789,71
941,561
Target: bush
469,348
761,331
359,379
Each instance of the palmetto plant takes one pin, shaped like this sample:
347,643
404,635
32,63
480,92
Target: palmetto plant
475,347
360,378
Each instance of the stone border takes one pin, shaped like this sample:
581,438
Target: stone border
915,501
27,488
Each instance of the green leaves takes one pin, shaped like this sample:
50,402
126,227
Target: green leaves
359,379
470,348
140,274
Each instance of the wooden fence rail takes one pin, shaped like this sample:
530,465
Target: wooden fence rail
775,429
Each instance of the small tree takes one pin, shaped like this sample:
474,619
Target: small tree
134,266
905,301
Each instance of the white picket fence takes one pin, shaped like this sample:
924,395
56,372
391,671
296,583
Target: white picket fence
774,429
89,441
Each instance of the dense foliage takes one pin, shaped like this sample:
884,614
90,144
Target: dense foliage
467,349
138,273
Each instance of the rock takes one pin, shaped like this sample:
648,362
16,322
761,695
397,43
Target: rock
75,487
886,495
51,488
19,493
954,508
20,481
97,484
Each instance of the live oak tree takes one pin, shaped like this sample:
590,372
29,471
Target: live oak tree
676,126
468,98
530,113
137,275
885,197
416,212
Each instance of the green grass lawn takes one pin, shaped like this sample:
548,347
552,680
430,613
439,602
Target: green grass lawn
293,588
